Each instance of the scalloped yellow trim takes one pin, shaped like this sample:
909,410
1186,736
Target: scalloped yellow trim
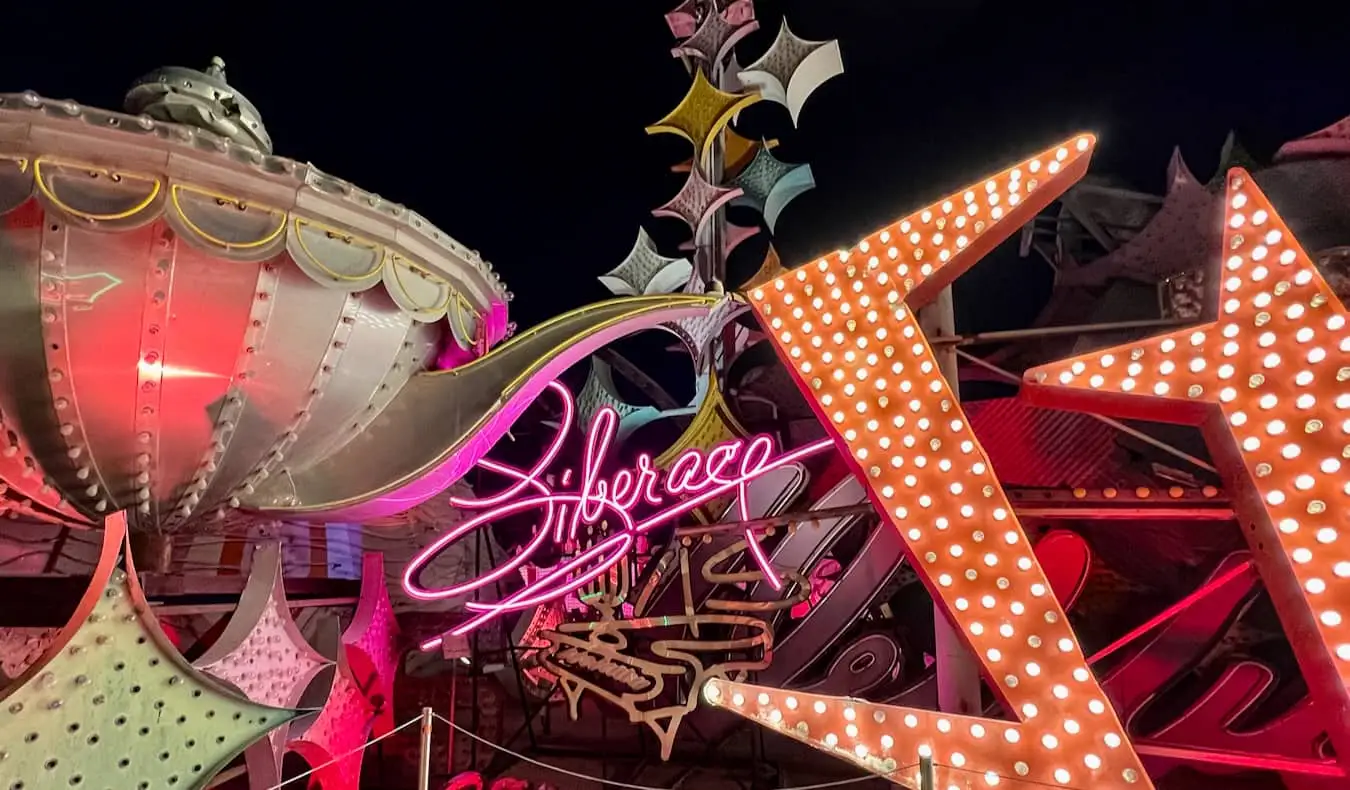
450,293
301,223
463,303
272,236
56,201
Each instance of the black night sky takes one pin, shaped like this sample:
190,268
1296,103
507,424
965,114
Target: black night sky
521,132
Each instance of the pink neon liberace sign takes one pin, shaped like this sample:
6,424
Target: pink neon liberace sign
695,478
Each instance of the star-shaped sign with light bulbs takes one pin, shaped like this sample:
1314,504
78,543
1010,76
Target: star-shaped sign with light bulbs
845,327
1269,382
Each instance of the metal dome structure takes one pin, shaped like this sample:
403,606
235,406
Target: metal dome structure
191,319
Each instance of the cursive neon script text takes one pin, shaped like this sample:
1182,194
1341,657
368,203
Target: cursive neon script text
589,498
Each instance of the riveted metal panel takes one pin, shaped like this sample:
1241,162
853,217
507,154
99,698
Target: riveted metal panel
275,373
376,336
102,339
66,451
212,299
26,414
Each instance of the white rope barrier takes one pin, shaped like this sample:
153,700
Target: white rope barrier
532,761
346,754
612,783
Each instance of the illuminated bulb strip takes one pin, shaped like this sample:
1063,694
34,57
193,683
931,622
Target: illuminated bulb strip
1276,364
889,740
861,358
914,254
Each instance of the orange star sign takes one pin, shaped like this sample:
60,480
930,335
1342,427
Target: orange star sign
845,327
1269,382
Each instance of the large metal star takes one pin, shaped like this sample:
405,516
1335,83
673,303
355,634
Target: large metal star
113,704
846,329
1269,382
262,653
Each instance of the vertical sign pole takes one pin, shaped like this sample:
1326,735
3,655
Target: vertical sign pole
424,756
717,228
926,780
454,700
958,674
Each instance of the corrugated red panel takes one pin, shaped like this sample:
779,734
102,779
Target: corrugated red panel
1043,448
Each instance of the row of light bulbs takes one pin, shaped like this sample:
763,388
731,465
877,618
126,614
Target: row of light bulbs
844,327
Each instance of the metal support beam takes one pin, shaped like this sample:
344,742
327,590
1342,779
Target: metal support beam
1064,507
1118,425
958,673
1262,762
799,518
1116,192
658,395
1037,333
926,781
50,599
165,609
1098,233
1107,513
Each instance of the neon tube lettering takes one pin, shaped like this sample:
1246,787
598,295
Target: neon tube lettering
695,476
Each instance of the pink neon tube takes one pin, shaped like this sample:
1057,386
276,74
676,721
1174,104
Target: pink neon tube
699,477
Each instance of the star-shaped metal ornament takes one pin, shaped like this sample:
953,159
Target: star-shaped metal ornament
737,152
361,702
770,184
1268,381
645,271
599,393
714,39
701,114
262,653
332,741
372,643
733,236
792,69
768,271
698,333
113,704
697,201
1332,141
730,80
685,18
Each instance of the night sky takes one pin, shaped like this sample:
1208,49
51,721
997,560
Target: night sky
521,134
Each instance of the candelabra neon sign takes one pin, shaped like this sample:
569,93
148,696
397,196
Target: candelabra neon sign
586,499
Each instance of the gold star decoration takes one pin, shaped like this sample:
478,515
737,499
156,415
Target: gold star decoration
702,113
1269,383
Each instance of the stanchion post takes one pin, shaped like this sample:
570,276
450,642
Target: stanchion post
424,756
926,780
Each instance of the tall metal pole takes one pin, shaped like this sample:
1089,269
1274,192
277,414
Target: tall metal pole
454,701
958,674
716,165
424,756
926,779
